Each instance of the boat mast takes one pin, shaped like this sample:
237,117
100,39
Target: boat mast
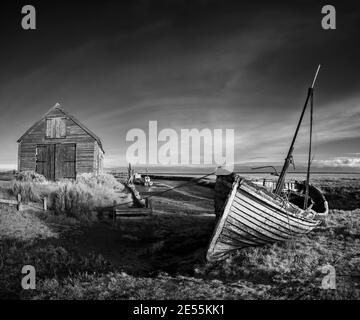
309,159
289,157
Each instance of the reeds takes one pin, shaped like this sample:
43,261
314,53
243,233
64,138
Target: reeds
82,198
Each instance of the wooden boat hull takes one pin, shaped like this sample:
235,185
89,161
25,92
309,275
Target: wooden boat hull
253,216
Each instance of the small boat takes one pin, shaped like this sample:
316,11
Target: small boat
255,215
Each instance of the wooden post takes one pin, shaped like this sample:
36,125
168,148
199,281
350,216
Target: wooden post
19,206
45,203
150,206
114,210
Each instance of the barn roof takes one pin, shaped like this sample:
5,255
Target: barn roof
59,108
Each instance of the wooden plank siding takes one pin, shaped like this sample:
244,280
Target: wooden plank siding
85,157
87,148
98,159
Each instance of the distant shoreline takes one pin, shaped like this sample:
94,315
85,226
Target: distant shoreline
167,173
239,172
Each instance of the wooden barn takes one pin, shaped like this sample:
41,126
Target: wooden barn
59,146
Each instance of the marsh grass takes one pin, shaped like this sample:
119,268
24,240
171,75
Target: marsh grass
52,261
341,193
22,225
30,176
104,180
28,185
28,191
289,270
81,199
293,268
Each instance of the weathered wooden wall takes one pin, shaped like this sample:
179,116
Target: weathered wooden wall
98,159
85,145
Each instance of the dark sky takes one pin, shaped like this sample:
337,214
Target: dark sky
200,64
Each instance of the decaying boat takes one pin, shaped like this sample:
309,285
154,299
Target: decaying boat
254,215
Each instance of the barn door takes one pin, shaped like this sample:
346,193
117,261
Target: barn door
65,161
45,161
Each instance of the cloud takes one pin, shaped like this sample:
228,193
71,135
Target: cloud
8,167
237,72
343,162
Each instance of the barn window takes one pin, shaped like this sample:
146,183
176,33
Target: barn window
55,128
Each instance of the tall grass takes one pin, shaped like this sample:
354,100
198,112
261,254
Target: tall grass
27,190
82,198
96,180
30,176
88,195
26,184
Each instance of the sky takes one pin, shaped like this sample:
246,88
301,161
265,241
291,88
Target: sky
116,65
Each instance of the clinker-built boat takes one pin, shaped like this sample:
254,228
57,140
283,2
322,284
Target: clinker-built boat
254,215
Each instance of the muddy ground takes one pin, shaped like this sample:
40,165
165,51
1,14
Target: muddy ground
173,239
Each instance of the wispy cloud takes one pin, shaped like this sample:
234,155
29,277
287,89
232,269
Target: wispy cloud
241,70
342,162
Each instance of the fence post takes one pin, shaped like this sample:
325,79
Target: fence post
45,203
148,203
114,210
19,206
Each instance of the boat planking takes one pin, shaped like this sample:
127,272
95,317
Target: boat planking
254,216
